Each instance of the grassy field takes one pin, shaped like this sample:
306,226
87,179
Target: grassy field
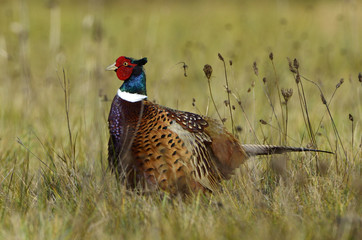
55,97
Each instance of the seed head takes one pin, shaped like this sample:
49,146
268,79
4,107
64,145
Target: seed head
360,77
208,71
287,93
264,80
271,56
324,101
238,128
291,68
230,62
297,78
350,117
340,83
296,63
255,67
184,66
263,122
220,57
226,102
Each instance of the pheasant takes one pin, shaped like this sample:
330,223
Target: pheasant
155,147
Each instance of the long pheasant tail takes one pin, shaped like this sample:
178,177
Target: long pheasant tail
254,149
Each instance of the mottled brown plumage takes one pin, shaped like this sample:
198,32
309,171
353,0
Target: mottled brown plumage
172,150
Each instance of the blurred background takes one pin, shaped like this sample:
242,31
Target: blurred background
40,39
55,97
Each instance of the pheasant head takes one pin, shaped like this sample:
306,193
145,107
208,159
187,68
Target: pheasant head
131,72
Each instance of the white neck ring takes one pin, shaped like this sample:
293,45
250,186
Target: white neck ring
130,97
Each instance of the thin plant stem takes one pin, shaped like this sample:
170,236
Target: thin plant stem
228,91
286,123
246,117
213,101
271,57
272,107
65,87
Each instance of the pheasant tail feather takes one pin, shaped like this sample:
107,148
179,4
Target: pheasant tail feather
254,149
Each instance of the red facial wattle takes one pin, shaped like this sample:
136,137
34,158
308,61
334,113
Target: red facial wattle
125,68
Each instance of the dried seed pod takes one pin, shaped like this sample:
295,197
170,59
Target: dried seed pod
297,78
255,68
264,80
271,56
287,94
340,83
184,66
296,63
238,128
263,122
208,71
220,57
323,99
350,117
291,68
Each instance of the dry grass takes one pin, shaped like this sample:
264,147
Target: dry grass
54,101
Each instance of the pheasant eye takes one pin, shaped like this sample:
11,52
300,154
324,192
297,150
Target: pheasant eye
125,64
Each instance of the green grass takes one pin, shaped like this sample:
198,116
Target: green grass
54,182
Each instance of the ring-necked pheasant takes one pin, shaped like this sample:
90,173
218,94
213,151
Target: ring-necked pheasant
157,147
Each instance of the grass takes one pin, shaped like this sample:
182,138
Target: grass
55,97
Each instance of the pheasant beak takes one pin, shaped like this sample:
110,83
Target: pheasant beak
112,67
